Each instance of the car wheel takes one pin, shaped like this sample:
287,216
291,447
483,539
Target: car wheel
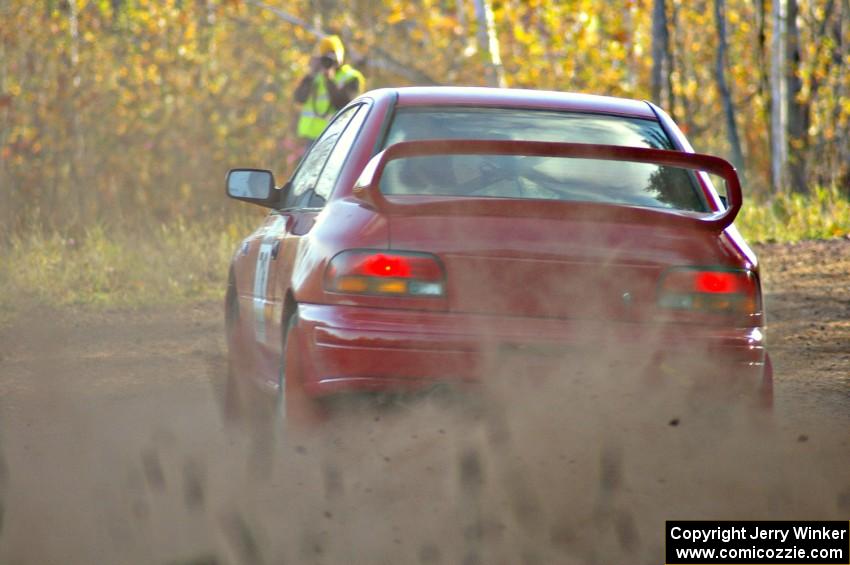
227,389
242,402
232,404
294,409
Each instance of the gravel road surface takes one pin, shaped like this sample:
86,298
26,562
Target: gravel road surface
113,450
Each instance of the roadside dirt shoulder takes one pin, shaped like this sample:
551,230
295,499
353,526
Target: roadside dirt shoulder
807,288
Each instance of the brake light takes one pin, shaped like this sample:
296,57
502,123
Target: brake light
381,265
717,282
386,273
710,290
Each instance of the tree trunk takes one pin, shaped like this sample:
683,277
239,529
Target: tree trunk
796,110
842,175
488,43
657,49
799,111
5,126
668,54
76,189
778,146
725,93
662,60
460,13
680,62
761,59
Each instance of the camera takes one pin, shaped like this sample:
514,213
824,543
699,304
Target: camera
327,62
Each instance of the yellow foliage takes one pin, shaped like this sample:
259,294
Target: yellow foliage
396,16
172,93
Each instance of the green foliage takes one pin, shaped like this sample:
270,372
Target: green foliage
793,217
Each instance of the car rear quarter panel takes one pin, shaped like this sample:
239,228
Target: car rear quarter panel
345,222
731,238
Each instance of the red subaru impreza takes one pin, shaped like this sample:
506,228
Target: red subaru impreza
431,232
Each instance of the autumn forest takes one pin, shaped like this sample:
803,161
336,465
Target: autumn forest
112,107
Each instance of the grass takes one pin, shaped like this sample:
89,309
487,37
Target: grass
170,263
794,217
184,262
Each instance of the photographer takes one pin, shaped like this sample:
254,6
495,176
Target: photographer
328,86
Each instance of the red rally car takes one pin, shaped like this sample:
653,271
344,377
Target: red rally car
429,231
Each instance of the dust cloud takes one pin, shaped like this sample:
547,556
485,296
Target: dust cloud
115,451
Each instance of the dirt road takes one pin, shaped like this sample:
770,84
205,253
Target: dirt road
808,304
113,451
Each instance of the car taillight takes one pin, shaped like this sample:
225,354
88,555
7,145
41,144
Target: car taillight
713,290
394,273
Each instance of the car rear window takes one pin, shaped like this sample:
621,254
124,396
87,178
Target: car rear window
616,182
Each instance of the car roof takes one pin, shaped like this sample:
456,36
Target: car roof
515,98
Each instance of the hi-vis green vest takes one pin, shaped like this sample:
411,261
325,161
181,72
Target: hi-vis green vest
317,110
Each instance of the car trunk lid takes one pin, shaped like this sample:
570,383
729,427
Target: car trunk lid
548,267
548,257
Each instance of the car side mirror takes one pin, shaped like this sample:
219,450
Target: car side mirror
252,185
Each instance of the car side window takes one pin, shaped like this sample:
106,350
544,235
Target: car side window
304,182
330,174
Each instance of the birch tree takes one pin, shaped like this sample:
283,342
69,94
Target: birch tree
778,145
488,43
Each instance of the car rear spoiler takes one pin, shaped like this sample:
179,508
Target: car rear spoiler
367,187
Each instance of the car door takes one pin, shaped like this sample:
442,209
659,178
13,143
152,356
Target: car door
305,196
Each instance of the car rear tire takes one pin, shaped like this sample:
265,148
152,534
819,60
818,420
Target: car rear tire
242,402
294,409
227,389
232,405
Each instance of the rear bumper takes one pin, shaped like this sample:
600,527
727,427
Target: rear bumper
372,349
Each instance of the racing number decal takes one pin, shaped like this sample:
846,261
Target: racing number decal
269,246
261,280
